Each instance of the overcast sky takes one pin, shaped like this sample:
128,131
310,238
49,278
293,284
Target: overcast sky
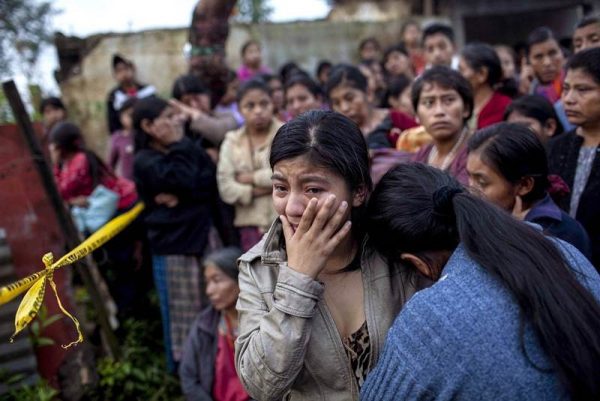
86,17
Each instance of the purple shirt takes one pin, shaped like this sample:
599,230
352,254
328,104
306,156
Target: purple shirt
244,73
121,154
457,168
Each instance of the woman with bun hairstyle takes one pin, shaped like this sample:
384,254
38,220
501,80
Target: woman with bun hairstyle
512,314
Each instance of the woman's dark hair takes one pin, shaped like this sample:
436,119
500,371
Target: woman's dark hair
254,83
369,40
68,139
188,84
395,88
323,64
247,44
587,60
226,260
515,152
348,75
399,47
331,141
148,108
536,107
128,104
419,209
447,78
479,56
305,81
539,35
288,69
52,101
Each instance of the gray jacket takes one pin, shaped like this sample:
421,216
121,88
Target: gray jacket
289,347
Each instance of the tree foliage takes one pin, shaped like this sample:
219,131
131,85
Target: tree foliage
24,28
254,11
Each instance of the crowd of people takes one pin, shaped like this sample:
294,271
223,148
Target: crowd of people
421,225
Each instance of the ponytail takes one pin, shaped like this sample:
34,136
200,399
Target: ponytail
419,209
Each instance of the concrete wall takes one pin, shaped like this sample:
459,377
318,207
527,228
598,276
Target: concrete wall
159,59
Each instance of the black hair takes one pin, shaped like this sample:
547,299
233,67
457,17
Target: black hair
254,83
67,137
515,152
398,47
536,107
539,35
588,20
419,209
332,141
587,60
118,59
247,44
230,76
52,101
368,40
323,64
346,74
481,55
307,82
436,28
446,78
128,104
188,84
288,69
148,108
395,88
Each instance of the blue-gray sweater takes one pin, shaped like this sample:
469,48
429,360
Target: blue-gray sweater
459,340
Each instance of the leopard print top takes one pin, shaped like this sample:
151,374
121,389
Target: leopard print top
358,350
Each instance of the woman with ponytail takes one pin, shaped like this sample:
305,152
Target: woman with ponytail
507,165
511,315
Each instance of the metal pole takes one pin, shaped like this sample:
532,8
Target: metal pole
64,219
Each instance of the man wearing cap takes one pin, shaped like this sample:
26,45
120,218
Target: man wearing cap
127,87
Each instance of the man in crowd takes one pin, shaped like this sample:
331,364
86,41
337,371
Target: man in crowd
439,46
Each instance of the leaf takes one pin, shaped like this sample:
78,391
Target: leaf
43,341
54,318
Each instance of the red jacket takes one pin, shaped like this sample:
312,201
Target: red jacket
493,111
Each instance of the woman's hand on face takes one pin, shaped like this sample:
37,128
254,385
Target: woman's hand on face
316,237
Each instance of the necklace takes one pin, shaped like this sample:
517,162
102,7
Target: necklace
450,156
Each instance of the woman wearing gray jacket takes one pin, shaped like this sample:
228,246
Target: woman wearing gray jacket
315,306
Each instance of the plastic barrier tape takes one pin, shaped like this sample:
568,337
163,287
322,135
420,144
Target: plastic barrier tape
35,284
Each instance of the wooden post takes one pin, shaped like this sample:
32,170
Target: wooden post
64,219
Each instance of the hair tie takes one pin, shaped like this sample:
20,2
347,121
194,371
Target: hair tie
442,201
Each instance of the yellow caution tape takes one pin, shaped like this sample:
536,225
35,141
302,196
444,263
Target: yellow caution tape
36,283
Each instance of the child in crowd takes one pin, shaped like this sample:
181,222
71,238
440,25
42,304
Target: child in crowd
127,87
301,95
511,313
396,63
251,61
443,101
323,71
537,114
228,103
369,51
243,172
176,180
411,38
277,95
120,157
53,111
